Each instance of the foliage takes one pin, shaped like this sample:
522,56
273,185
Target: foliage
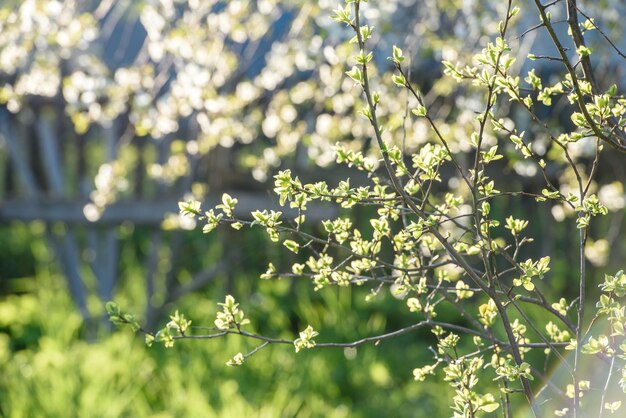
448,166
438,244
49,370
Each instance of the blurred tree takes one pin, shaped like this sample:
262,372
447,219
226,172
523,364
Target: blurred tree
115,110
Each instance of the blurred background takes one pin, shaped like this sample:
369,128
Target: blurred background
113,111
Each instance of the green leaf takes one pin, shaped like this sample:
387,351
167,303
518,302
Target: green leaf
583,51
419,110
399,80
397,56
112,308
490,407
189,208
292,246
